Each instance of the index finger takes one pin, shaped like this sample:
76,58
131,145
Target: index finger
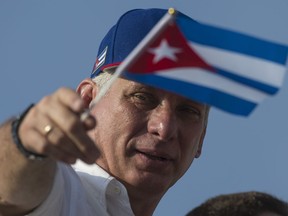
70,99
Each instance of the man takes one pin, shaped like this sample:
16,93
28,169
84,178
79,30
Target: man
138,140
251,203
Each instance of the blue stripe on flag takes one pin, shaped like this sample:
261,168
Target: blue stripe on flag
233,41
202,94
245,81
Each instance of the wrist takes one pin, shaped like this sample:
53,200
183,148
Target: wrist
17,141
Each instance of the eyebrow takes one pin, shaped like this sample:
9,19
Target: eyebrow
140,86
194,102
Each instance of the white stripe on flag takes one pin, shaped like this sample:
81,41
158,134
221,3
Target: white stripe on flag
270,73
214,81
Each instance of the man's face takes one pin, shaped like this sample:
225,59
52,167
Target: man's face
147,137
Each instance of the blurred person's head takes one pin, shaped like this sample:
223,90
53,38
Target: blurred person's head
242,204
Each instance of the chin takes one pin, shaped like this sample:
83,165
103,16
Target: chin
151,182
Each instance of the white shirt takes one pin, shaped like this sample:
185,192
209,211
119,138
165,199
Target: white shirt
84,190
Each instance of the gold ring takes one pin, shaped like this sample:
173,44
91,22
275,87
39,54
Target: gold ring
47,129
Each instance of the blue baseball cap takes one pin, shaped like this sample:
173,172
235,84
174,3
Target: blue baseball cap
124,36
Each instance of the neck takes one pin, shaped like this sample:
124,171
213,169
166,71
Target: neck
143,203
143,207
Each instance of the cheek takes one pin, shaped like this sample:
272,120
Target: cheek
188,150
116,122
104,114
188,153
191,144
130,118
109,134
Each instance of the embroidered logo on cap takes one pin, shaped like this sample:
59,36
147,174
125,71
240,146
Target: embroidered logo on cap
100,59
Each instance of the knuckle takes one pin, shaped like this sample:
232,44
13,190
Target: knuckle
45,101
67,94
62,90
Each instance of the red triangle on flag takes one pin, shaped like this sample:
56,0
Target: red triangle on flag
169,50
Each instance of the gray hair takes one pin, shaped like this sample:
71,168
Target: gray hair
103,77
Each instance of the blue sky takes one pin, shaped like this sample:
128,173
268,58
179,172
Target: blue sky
48,44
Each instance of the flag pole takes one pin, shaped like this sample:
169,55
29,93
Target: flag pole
147,40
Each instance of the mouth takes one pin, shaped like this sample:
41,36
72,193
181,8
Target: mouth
155,156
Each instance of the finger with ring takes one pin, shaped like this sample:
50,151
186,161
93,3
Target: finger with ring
48,129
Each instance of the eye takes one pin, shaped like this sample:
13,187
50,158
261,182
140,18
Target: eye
190,111
144,100
141,97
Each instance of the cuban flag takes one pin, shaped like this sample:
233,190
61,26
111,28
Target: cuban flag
222,68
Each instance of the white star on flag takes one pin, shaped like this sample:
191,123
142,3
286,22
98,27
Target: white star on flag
164,51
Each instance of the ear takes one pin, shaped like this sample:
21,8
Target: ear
199,150
87,90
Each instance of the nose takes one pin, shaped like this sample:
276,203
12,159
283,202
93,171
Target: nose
163,123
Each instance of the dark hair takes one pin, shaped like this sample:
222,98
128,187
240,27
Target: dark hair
241,204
